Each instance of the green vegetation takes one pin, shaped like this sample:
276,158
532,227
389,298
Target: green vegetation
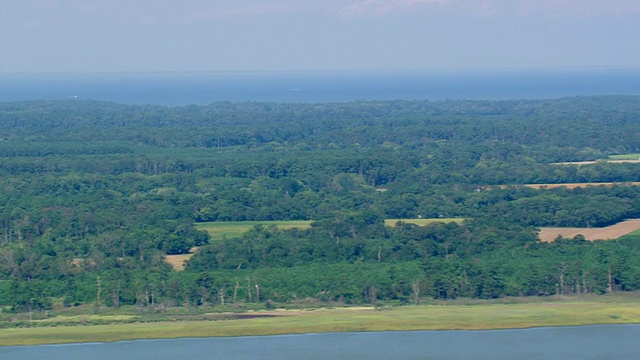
507,313
421,222
287,203
634,236
625,157
232,229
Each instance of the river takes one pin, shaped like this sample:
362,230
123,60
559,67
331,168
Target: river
579,342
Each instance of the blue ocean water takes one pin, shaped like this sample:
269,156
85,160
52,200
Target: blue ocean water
203,88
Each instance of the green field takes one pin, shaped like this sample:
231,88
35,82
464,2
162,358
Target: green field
625,157
229,229
422,222
477,315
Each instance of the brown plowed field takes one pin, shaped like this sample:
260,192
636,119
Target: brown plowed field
549,234
177,261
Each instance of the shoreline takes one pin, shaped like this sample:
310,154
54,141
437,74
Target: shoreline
318,333
490,315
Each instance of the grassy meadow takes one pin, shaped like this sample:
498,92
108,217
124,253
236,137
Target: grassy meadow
220,230
436,315
625,157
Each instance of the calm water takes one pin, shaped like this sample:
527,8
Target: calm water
583,342
205,88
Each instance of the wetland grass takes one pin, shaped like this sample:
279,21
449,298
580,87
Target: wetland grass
456,315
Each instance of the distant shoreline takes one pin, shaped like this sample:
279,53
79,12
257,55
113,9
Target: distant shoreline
201,88
620,308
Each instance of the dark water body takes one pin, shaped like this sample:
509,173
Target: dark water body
582,342
204,88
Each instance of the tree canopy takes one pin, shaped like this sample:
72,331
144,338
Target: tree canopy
94,190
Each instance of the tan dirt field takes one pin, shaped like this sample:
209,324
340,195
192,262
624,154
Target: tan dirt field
549,234
177,261
575,185
596,161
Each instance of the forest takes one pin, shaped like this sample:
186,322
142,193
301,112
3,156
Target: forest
94,196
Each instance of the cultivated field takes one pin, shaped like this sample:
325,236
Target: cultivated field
437,315
229,229
548,234
625,157
575,185
177,262
615,161
219,230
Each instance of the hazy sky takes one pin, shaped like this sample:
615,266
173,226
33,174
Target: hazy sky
301,35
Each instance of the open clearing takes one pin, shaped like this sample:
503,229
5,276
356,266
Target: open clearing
219,230
614,161
422,222
229,229
177,262
575,185
619,308
548,234
625,157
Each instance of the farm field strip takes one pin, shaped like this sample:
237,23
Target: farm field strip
548,234
177,262
625,157
227,229
219,230
614,161
575,185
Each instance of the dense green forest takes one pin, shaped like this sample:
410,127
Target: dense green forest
93,195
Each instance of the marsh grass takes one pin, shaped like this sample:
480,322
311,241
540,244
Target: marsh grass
437,315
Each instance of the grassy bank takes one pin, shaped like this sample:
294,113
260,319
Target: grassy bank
476,315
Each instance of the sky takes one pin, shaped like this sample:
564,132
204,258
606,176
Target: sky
322,35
